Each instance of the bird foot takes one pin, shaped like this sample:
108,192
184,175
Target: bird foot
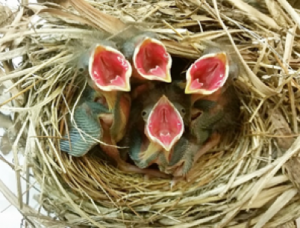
212,142
178,179
177,170
126,167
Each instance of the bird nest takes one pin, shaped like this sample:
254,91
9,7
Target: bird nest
248,180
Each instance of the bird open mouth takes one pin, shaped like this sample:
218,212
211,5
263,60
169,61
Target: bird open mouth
207,74
164,124
109,69
152,61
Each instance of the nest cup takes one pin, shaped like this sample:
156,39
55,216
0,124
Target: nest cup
249,180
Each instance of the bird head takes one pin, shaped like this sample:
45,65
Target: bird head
151,60
164,124
109,70
207,74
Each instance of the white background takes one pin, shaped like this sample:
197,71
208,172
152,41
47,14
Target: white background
9,216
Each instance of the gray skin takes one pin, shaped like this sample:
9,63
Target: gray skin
86,117
127,46
141,108
182,157
219,115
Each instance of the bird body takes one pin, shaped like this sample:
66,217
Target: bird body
86,130
144,148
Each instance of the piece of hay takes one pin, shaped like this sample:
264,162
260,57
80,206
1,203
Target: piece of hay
238,184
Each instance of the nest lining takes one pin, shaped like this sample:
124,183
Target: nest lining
250,180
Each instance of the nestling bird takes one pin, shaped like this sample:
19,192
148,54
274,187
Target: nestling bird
109,69
209,80
86,130
118,102
215,110
149,57
207,74
109,77
159,118
220,112
182,157
108,73
146,148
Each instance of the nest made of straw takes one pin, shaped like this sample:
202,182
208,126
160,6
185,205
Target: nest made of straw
250,182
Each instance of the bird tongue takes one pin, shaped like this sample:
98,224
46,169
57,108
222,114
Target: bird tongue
164,130
207,74
109,69
152,60
118,81
165,124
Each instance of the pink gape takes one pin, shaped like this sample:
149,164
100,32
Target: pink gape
164,124
109,69
152,61
207,74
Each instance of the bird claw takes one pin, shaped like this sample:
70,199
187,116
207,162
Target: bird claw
178,179
212,142
126,167
154,173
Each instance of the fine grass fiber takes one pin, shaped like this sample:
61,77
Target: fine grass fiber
251,179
